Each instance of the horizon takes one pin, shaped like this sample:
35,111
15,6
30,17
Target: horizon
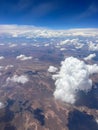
48,28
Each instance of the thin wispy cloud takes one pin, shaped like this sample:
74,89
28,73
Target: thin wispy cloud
91,10
43,9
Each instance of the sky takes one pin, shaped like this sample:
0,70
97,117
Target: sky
56,14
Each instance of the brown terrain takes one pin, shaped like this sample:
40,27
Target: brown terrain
32,106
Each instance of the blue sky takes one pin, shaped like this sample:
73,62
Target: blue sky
58,14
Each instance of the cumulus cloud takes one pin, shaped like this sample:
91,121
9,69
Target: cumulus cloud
90,57
24,44
73,77
18,79
62,49
92,46
9,66
67,41
23,57
1,67
1,44
73,42
1,57
46,45
52,69
96,120
12,45
2,105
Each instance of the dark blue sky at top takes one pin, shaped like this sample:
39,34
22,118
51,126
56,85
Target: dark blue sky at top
50,13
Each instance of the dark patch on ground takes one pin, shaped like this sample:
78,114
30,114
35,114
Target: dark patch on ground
22,106
89,99
10,103
9,127
38,114
31,72
9,115
29,109
8,73
81,121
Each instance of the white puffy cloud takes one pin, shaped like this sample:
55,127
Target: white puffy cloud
12,45
24,44
73,77
14,35
1,57
52,69
90,57
9,66
2,105
62,49
73,42
6,67
1,44
96,120
46,45
67,41
92,46
1,67
18,79
23,57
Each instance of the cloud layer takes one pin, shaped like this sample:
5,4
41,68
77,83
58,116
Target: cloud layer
35,32
73,77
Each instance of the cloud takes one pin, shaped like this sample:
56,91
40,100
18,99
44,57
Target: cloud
14,35
1,57
6,67
18,79
96,120
24,44
1,44
62,49
46,45
12,45
23,57
43,9
92,9
92,46
52,69
1,67
23,4
9,66
36,32
2,105
73,77
72,42
90,57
